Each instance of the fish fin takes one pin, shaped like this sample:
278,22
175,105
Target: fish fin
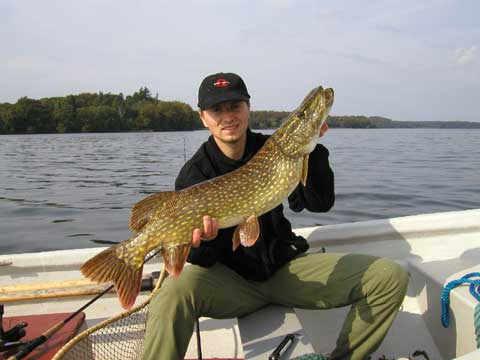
235,239
246,233
175,257
305,169
107,266
144,209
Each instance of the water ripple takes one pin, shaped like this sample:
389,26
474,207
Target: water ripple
62,190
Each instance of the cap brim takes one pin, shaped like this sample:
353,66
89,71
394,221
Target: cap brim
222,98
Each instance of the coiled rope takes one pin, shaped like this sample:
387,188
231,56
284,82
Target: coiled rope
474,290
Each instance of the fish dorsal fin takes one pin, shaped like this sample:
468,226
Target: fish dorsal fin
305,169
175,257
144,209
246,233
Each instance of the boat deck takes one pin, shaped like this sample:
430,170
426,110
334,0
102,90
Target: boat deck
434,248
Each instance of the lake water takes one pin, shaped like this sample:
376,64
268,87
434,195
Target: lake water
61,191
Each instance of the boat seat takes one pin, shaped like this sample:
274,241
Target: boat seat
252,337
262,331
428,280
474,355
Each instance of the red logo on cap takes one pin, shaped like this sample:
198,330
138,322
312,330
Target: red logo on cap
221,83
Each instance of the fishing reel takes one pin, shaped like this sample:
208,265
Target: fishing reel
11,337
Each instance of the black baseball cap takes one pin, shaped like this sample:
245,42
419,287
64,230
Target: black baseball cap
220,87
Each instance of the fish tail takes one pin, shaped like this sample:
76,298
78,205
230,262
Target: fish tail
107,266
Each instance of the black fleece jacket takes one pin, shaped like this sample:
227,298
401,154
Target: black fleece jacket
277,243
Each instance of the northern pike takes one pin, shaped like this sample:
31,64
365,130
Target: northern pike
166,220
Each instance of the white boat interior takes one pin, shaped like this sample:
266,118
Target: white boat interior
434,248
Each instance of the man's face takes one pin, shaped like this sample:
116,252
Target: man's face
227,121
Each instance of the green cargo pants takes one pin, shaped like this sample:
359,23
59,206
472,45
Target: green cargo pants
374,287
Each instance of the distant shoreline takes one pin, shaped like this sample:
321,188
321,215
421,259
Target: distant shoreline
396,127
141,111
375,122
333,124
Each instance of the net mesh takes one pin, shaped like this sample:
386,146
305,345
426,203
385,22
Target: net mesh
120,337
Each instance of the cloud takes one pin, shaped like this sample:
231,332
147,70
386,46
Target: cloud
465,56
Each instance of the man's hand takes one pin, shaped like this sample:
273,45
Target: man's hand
210,231
323,129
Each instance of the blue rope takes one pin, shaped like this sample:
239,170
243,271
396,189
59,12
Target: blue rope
474,290
476,320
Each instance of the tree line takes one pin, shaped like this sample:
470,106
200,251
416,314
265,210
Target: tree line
273,119
97,112
377,122
100,112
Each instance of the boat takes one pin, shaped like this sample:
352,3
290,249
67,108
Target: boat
435,249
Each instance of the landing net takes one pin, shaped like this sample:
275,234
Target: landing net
120,337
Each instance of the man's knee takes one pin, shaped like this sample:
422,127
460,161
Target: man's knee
392,276
178,292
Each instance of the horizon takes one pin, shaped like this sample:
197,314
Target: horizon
269,110
402,60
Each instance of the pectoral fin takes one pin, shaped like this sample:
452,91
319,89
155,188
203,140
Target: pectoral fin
305,169
246,233
175,257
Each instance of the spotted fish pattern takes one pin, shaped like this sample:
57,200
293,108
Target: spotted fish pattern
166,220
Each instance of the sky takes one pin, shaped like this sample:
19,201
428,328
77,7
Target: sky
402,59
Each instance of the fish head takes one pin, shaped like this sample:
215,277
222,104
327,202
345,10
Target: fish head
302,128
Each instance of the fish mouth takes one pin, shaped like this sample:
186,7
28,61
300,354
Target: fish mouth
321,98
329,96
326,94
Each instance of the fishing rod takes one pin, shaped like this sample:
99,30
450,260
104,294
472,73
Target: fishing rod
33,344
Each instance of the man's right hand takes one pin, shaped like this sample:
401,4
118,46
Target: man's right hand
210,231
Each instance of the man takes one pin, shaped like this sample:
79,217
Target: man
222,283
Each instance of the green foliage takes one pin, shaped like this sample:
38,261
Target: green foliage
100,118
6,116
273,119
97,112
350,122
267,119
31,116
106,112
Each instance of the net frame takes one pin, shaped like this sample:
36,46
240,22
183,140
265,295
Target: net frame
89,345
